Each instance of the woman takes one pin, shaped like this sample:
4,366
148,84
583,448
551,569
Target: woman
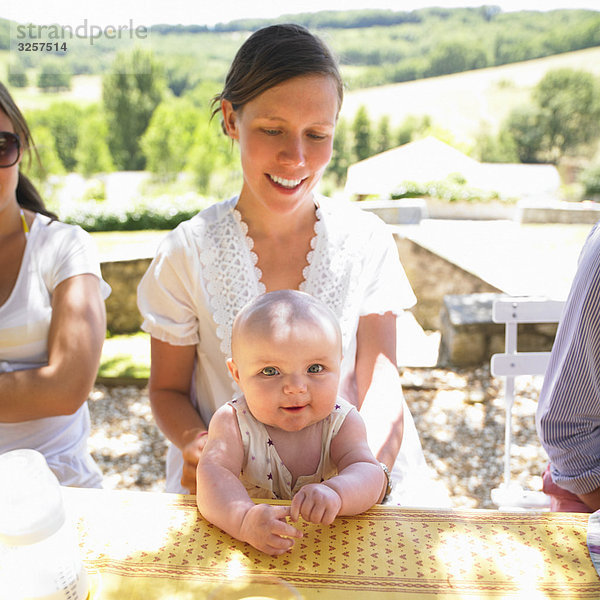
280,102
52,318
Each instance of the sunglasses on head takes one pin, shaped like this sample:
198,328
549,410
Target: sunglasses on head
10,149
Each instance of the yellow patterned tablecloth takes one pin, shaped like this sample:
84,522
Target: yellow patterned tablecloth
142,545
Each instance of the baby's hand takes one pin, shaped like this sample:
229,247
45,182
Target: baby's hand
317,503
265,528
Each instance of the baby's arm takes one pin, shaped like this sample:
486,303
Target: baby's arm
359,484
222,498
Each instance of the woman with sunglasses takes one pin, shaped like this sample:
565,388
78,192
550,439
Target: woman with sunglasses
280,102
52,318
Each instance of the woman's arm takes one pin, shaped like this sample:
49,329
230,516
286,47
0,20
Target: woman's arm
380,399
75,338
169,390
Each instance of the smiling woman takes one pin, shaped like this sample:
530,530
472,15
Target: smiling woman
280,103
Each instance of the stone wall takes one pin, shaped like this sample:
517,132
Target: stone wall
123,276
432,277
469,336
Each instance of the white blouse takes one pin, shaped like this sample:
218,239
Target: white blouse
205,272
54,252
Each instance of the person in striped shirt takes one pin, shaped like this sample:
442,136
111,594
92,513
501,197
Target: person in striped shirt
568,413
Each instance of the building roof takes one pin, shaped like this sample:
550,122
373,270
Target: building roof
430,159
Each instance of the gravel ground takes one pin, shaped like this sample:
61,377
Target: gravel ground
459,416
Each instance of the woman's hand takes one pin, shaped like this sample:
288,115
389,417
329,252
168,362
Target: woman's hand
191,452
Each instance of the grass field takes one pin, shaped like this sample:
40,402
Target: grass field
462,102
126,356
127,245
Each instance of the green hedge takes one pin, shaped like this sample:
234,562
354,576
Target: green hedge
590,179
452,189
158,213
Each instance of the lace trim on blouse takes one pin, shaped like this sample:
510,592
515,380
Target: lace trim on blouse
232,277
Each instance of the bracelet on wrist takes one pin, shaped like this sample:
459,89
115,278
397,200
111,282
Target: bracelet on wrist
388,478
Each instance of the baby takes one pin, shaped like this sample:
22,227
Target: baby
289,436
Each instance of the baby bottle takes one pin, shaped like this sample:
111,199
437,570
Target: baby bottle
39,552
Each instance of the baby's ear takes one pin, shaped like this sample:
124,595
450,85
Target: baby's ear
233,370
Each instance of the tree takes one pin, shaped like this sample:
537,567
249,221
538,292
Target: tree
92,153
524,126
63,120
361,128
342,151
53,76
49,163
167,142
383,135
500,148
411,127
17,78
211,153
130,93
590,180
455,56
569,103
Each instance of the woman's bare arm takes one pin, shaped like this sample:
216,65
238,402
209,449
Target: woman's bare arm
380,399
75,338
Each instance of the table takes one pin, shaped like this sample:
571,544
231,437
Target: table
144,545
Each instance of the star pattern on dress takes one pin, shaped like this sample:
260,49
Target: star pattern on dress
269,442
270,476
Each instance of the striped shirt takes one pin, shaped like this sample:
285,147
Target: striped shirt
568,414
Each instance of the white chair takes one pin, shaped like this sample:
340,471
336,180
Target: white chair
511,364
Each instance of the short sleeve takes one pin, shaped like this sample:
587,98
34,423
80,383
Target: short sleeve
387,288
166,294
75,254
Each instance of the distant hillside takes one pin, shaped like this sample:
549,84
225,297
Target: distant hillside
375,47
461,102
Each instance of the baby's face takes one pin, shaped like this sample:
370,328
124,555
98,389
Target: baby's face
290,374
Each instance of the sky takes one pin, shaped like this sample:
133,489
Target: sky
210,12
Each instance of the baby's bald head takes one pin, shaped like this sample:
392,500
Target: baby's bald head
277,314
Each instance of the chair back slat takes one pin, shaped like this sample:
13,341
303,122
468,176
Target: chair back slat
522,363
527,310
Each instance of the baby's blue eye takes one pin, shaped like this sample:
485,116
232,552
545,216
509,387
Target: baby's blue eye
270,371
316,368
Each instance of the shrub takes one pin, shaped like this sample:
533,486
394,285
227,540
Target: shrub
451,189
164,212
590,179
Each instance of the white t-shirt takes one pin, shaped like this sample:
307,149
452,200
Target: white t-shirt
54,252
205,272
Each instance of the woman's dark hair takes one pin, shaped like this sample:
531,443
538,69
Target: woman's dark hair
27,196
273,55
